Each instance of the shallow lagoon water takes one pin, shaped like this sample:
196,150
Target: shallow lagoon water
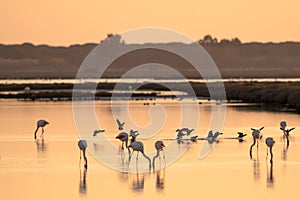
51,169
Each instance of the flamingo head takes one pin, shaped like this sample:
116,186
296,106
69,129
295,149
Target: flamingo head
283,124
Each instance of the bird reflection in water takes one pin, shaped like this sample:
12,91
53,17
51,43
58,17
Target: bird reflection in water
82,181
270,177
138,182
41,145
160,180
124,176
284,152
256,169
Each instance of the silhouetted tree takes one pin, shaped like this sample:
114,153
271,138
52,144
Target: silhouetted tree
208,39
236,41
225,42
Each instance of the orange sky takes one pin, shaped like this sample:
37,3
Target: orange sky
64,22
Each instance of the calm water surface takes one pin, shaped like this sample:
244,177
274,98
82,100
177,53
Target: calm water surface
51,170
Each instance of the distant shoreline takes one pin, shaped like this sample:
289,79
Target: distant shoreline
245,60
281,96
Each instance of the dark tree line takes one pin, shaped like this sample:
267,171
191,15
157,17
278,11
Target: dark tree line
208,39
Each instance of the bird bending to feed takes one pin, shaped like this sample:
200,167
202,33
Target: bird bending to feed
270,142
256,135
41,123
120,124
133,135
139,147
82,146
123,137
286,132
159,146
98,131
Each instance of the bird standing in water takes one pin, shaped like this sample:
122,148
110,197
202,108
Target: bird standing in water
82,146
286,132
123,137
256,135
139,147
270,142
159,146
41,123
133,135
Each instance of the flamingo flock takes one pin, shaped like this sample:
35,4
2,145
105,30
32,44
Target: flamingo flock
182,134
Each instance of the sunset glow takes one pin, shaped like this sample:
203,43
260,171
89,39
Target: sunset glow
73,21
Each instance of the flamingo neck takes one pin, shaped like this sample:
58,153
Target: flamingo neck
147,159
271,155
254,141
85,159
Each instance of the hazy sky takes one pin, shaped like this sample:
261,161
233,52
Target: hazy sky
64,22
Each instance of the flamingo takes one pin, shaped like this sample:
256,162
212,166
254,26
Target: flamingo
210,135
159,146
98,131
241,135
187,130
270,142
194,138
133,135
120,124
286,132
123,137
82,146
139,147
213,138
41,123
179,134
256,135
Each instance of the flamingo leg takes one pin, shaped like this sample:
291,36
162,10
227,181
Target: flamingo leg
164,157
42,135
129,159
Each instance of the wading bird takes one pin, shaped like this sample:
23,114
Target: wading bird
213,138
180,134
256,135
133,135
270,142
241,135
41,123
120,124
82,146
98,131
194,138
139,147
187,130
123,137
159,146
286,132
